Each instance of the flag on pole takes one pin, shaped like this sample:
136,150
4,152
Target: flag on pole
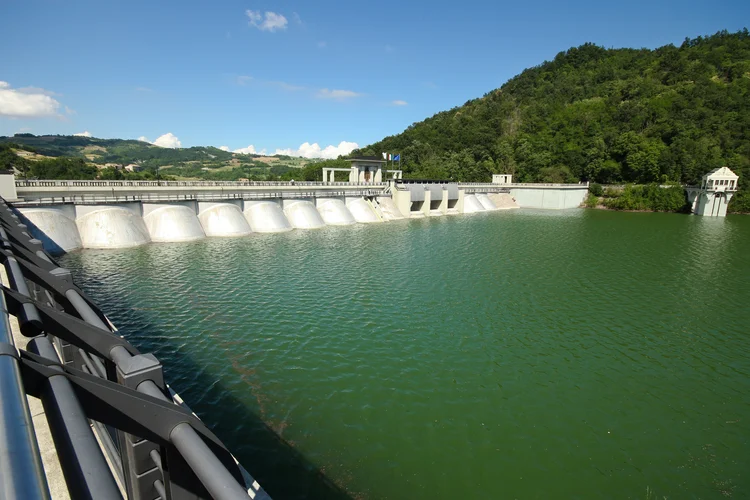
397,157
390,157
385,155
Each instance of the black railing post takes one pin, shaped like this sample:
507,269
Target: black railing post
86,472
139,469
21,470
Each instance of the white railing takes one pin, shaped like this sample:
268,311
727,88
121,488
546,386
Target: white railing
73,183
152,197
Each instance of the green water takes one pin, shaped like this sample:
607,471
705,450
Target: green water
527,354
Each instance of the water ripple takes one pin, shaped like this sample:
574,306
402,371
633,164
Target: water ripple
520,354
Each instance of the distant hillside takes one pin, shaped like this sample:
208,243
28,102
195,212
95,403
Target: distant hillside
603,115
114,150
93,154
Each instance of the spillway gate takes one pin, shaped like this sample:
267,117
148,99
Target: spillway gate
118,428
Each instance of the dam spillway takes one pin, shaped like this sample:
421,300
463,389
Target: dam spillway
266,217
68,215
173,223
362,211
58,222
485,201
334,212
223,220
302,214
472,204
111,227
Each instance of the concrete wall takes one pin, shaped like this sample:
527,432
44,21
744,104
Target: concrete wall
712,204
8,187
388,209
402,201
549,197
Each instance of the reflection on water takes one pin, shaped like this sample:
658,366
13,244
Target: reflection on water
528,354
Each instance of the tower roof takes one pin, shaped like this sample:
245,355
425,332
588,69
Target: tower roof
721,173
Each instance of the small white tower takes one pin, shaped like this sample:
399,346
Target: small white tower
712,196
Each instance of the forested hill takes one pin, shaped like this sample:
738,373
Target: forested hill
101,151
77,157
603,115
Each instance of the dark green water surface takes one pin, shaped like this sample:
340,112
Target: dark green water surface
527,354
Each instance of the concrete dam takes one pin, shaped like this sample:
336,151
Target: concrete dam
69,215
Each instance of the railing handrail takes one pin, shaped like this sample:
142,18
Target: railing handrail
124,375
89,199
123,183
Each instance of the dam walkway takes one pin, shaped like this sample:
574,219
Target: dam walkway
83,413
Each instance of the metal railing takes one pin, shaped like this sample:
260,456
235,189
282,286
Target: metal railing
155,197
526,184
66,183
86,374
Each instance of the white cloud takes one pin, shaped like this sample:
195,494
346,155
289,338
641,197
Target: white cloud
224,148
296,18
339,95
29,102
269,21
168,140
307,150
244,79
399,102
250,150
143,89
85,133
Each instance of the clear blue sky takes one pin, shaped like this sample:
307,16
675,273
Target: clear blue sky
212,73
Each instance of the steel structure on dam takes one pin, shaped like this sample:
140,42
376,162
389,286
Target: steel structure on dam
110,426
68,215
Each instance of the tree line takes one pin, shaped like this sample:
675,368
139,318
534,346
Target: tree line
601,115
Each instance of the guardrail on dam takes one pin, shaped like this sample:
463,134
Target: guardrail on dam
117,427
67,215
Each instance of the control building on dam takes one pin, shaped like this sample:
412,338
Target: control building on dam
68,215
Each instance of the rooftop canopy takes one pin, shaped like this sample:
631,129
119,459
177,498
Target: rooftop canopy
368,158
721,173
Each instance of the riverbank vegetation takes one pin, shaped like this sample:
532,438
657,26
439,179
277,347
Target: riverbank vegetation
649,197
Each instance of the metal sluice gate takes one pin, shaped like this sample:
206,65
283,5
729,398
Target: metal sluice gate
93,384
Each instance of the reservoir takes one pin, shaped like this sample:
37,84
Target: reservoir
513,354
